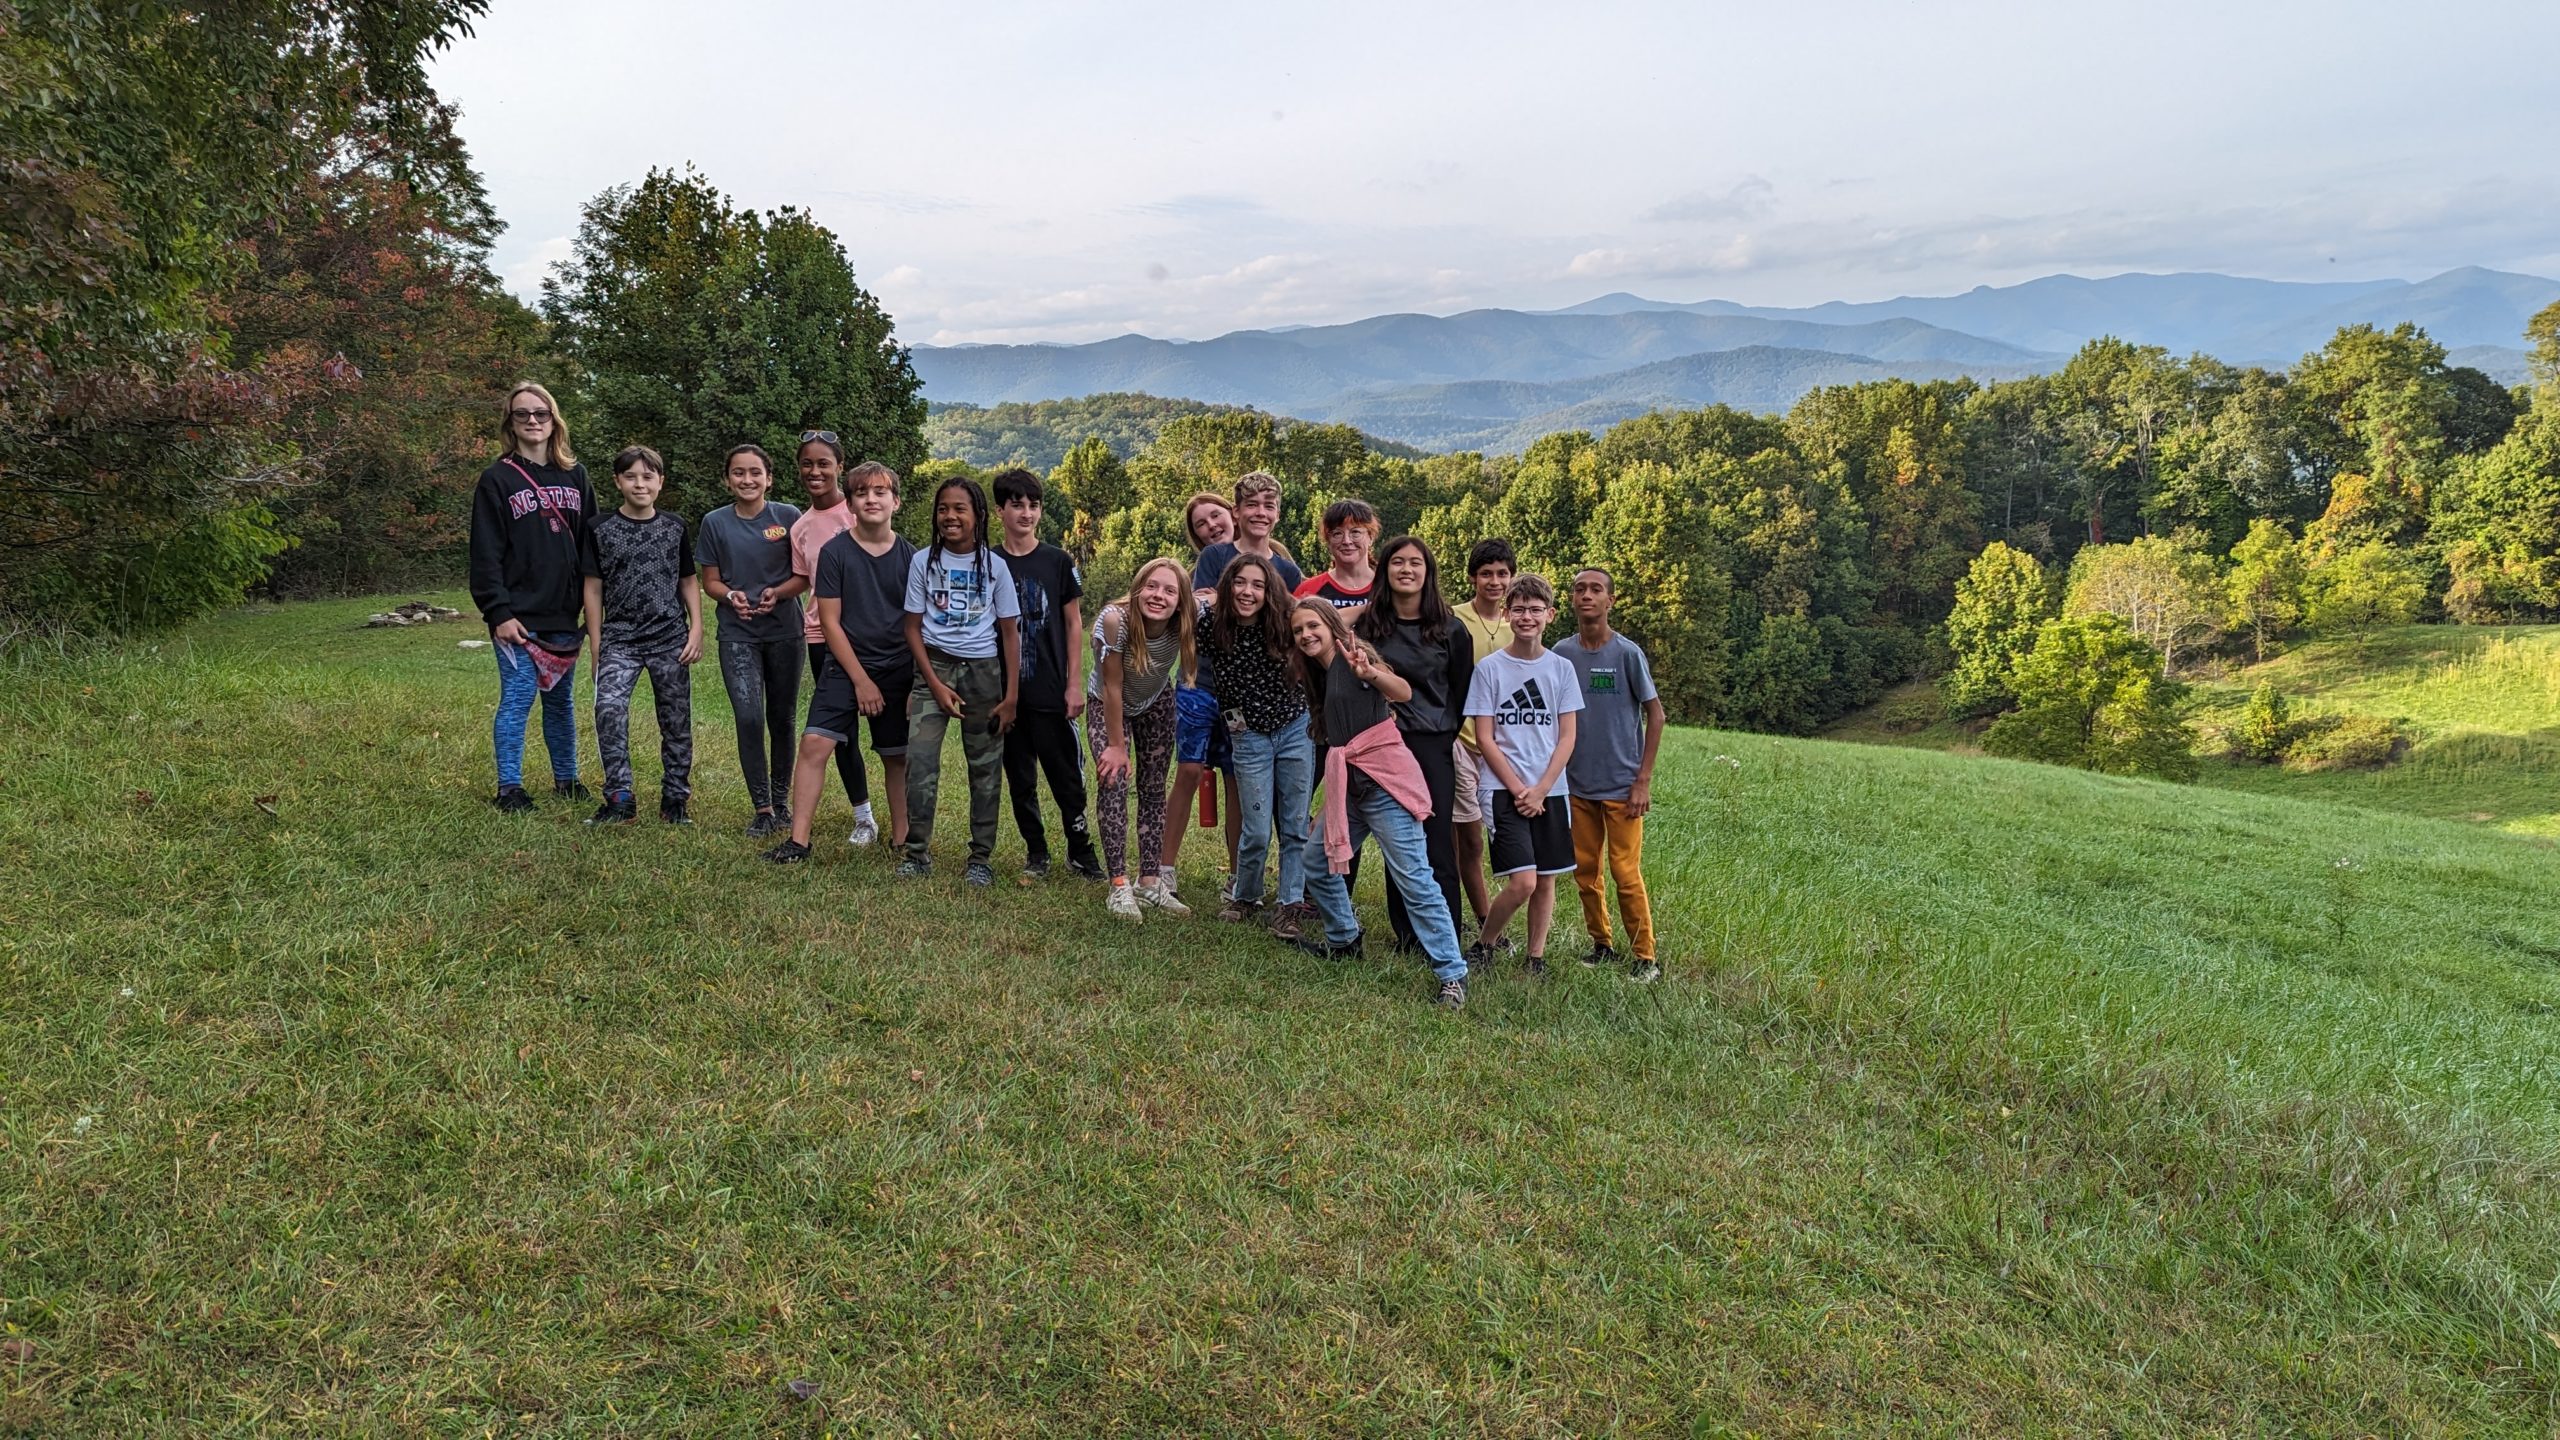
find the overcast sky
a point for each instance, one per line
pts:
(1005, 172)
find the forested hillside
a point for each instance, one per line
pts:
(1785, 569)
(1040, 433)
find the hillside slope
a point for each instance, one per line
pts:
(1980, 1098)
(2480, 706)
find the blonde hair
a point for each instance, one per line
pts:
(558, 454)
(1133, 648)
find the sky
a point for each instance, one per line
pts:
(1003, 172)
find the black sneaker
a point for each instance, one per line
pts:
(1535, 967)
(766, 823)
(1600, 955)
(513, 801)
(674, 813)
(979, 873)
(914, 869)
(1085, 867)
(1313, 941)
(571, 790)
(1479, 958)
(1035, 870)
(1452, 995)
(1643, 972)
(789, 852)
(618, 810)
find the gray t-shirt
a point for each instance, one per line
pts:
(1138, 688)
(752, 555)
(1608, 743)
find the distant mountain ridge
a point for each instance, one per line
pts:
(1483, 378)
(2230, 317)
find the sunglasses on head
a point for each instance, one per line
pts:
(530, 414)
(827, 435)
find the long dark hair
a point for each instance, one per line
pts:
(1311, 676)
(978, 504)
(1378, 618)
(1229, 632)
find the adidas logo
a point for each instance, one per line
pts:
(1525, 706)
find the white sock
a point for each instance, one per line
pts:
(862, 811)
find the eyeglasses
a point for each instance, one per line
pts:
(536, 415)
(827, 435)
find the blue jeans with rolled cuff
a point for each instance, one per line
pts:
(1374, 812)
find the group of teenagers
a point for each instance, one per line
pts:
(1452, 736)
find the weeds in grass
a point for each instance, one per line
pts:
(1983, 1098)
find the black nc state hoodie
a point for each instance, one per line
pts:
(524, 544)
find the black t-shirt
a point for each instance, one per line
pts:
(872, 591)
(640, 563)
(1439, 673)
(1351, 704)
(1045, 580)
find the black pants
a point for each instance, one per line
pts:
(763, 681)
(1435, 752)
(857, 785)
(1045, 742)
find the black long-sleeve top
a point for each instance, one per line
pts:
(1438, 672)
(524, 551)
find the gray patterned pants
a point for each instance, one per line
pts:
(671, 685)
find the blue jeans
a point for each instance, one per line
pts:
(516, 693)
(1274, 774)
(1399, 835)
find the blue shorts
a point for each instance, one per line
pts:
(1199, 731)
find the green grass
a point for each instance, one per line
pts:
(1981, 1098)
(2481, 707)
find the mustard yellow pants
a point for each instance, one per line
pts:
(1603, 832)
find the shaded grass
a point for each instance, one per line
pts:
(1981, 1097)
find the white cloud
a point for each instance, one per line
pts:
(524, 276)
(1249, 169)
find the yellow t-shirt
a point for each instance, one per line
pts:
(1490, 635)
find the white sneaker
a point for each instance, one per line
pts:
(1122, 902)
(1158, 892)
(866, 831)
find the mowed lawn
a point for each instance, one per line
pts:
(1980, 1098)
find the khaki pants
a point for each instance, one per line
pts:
(1603, 830)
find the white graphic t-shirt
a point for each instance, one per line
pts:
(960, 601)
(1524, 697)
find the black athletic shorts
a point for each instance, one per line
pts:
(1541, 842)
(834, 713)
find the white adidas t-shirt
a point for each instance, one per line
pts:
(1524, 697)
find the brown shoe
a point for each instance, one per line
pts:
(1239, 912)
(1287, 919)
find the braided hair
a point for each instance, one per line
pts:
(977, 504)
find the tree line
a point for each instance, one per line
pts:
(250, 339)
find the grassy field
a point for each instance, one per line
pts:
(1980, 1098)
(2481, 705)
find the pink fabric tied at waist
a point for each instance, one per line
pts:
(1379, 752)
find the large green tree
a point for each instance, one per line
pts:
(697, 325)
(2000, 604)
(146, 148)
(2091, 694)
